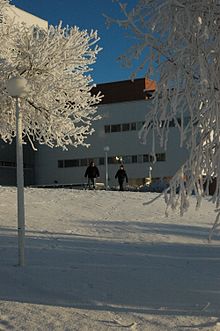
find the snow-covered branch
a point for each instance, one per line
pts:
(178, 44)
(59, 108)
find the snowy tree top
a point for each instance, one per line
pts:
(59, 108)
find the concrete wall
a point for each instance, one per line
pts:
(8, 151)
(120, 143)
(8, 164)
(22, 16)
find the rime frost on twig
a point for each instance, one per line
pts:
(178, 43)
(60, 108)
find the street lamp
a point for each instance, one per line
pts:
(150, 173)
(17, 88)
(106, 150)
(119, 158)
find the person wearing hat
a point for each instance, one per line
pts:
(121, 175)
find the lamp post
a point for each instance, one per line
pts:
(17, 88)
(150, 173)
(106, 150)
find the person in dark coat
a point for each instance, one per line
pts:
(92, 172)
(121, 175)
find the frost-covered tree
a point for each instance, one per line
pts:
(59, 108)
(177, 42)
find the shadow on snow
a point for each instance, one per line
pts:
(85, 272)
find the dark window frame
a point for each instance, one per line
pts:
(133, 126)
(73, 163)
(60, 163)
(161, 157)
(134, 158)
(83, 162)
(107, 128)
(146, 158)
(116, 128)
(125, 127)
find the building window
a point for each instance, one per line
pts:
(139, 158)
(83, 162)
(107, 128)
(101, 161)
(127, 159)
(179, 121)
(7, 164)
(145, 158)
(162, 123)
(112, 160)
(75, 163)
(140, 125)
(133, 126)
(125, 127)
(134, 158)
(116, 128)
(186, 120)
(161, 157)
(172, 123)
(71, 163)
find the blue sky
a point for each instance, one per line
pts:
(88, 14)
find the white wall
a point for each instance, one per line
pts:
(8, 151)
(121, 143)
(23, 16)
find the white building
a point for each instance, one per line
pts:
(21, 16)
(123, 112)
(8, 151)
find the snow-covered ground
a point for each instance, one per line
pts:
(98, 260)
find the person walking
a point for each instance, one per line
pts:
(92, 172)
(121, 175)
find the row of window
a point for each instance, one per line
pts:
(132, 126)
(7, 164)
(111, 160)
(11, 164)
(123, 127)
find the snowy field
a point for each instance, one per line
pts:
(105, 261)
